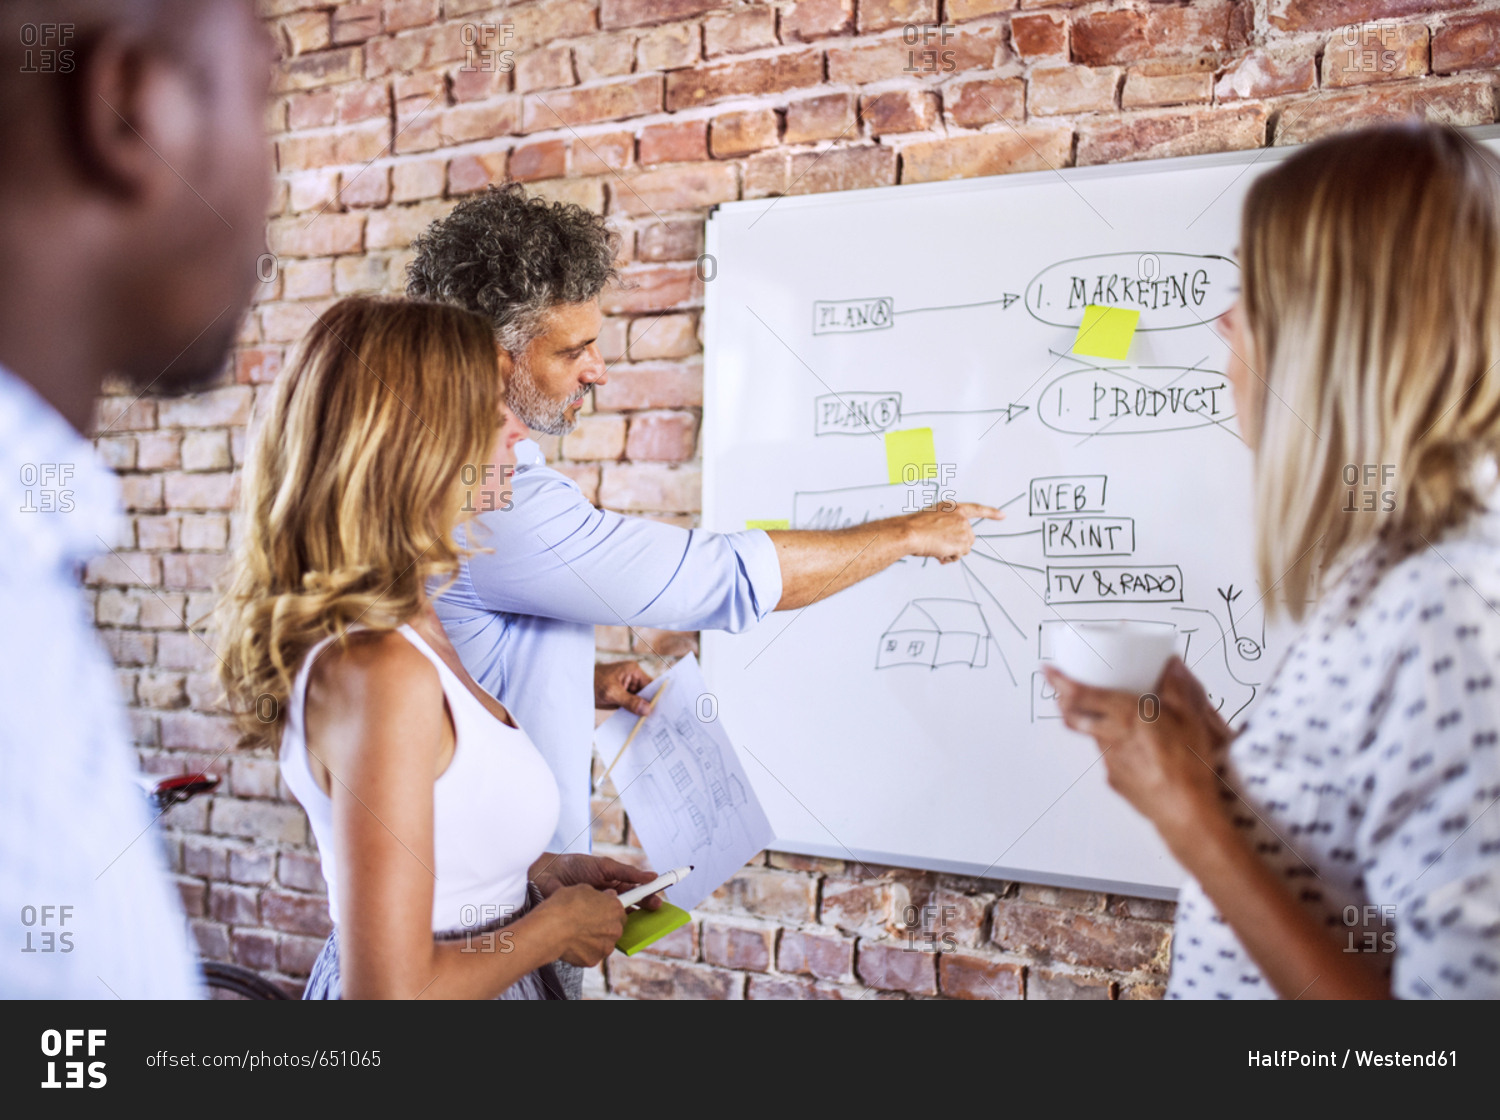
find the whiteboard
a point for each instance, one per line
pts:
(904, 721)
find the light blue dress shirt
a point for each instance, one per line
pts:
(88, 910)
(522, 615)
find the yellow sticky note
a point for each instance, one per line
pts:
(909, 456)
(768, 525)
(1106, 332)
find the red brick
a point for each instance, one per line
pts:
(480, 120)
(255, 777)
(468, 174)
(212, 939)
(1039, 35)
(1071, 89)
(307, 279)
(478, 83)
(253, 866)
(632, 487)
(838, 169)
(1263, 74)
(315, 109)
(1143, 991)
(897, 967)
(123, 414)
(643, 978)
(1167, 83)
(323, 236)
(903, 110)
(881, 15)
(293, 913)
(1079, 937)
(551, 68)
(417, 179)
(739, 134)
(780, 987)
(636, 13)
(873, 906)
(985, 101)
(966, 976)
(364, 101)
(252, 820)
(670, 241)
(663, 336)
(1172, 132)
(1131, 35)
(651, 385)
(141, 491)
(300, 871)
(1043, 983)
(401, 15)
(1028, 148)
(741, 947)
(828, 117)
(604, 56)
(807, 20)
(654, 287)
(673, 47)
(973, 9)
(969, 48)
(545, 159)
(822, 955)
(790, 70)
(194, 897)
(156, 533)
(535, 24)
(602, 153)
(674, 142)
(1457, 101)
(745, 29)
(1322, 15)
(681, 944)
(324, 68)
(1380, 53)
(232, 905)
(1469, 43)
(200, 491)
(140, 569)
(614, 100)
(761, 893)
(396, 226)
(596, 437)
(354, 23)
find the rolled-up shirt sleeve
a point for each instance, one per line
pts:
(554, 554)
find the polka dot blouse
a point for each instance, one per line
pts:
(1368, 777)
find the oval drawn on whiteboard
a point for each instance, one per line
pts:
(1171, 290)
(1133, 401)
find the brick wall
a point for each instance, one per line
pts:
(651, 111)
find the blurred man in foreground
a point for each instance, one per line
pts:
(134, 179)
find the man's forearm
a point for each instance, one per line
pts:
(816, 563)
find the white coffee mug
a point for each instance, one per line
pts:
(1129, 656)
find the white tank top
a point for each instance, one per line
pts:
(494, 807)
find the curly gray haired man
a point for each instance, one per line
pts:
(536, 270)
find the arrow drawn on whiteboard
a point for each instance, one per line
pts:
(1004, 301)
(1009, 412)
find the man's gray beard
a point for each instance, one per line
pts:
(538, 412)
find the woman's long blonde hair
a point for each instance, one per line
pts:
(1372, 296)
(352, 490)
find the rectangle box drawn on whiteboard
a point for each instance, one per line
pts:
(850, 316)
(1115, 583)
(1066, 493)
(855, 414)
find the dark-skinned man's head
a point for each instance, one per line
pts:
(134, 179)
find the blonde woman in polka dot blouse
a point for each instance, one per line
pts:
(1345, 842)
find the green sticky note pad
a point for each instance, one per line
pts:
(768, 525)
(642, 927)
(1106, 332)
(909, 456)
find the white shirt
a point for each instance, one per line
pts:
(87, 909)
(1369, 776)
(493, 808)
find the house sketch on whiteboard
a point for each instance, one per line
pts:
(935, 633)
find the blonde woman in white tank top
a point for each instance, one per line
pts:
(430, 806)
